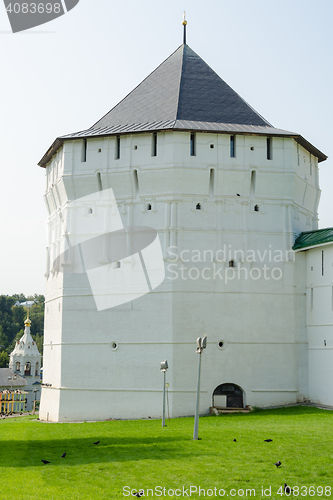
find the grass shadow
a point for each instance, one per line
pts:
(79, 451)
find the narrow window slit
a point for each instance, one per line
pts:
(253, 184)
(117, 147)
(232, 146)
(192, 145)
(84, 151)
(297, 154)
(99, 181)
(211, 182)
(154, 144)
(269, 148)
(136, 182)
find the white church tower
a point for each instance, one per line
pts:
(25, 360)
(226, 193)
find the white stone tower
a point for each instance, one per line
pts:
(25, 360)
(227, 193)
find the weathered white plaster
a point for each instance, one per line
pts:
(319, 319)
(260, 320)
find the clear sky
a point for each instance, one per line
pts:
(63, 76)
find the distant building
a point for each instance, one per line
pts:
(12, 391)
(11, 380)
(25, 362)
(28, 303)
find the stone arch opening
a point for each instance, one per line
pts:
(228, 396)
(27, 369)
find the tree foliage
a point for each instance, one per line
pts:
(12, 323)
(4, 359)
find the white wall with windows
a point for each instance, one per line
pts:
(205, 203)
(319, 316)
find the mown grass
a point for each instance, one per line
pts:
(142, 454)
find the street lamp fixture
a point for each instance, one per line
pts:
(201, 345)
(164, 367)
(35, 392)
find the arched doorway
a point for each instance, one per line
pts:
(228, 396)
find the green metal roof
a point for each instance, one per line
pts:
(314, 238)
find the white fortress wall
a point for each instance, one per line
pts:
(257, 318)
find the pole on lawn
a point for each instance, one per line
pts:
(201, 345)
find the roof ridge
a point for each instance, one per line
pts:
(316, 230)
(180, 80)
(133, 90)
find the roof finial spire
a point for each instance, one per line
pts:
(184, 24)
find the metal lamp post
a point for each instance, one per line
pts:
(164, 367)
(35, 392)
(201, 345)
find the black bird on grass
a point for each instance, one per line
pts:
(63, 455)
(235, 440)
(278, 463)
(46, 462)
(96, 442)
(138, 494)
(287, 489)
(268, 440)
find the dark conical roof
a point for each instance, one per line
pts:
(183, 93)
(183, 87)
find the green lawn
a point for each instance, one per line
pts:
(141, 454)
